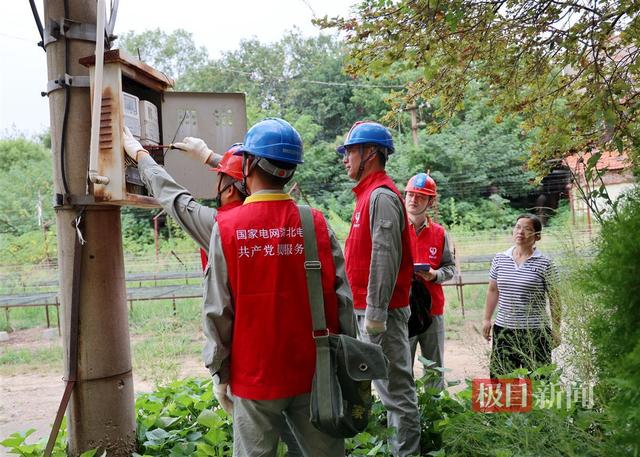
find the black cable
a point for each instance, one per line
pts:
(36, 16)
(67, 101)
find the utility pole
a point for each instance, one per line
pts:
(414, 125)
(101, 410)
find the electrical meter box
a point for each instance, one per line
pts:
(138, 96)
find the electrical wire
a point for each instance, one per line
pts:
(67, 102)
(36, 16)
(311, 81)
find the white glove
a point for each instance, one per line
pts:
(195, 147)
(131, 145)
(374, 327)
(222, 395)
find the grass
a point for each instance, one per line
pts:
(27, 317)
(29, 359)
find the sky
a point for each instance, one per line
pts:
(217, 25)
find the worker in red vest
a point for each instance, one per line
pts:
(430, 245)
(198, 221)
(230, 192)
(258, 322)
(380, 269)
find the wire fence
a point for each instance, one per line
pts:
(179, 275)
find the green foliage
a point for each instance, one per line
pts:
(485, 214)
(25, 186)
(474, 155)
(611, 282)
(567, 68)
(28, 248)
(183, 419)
(16, 443)
(174, 53)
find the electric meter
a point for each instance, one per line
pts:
(149, 127)
(131, 113)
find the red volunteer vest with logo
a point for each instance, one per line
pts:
(427, 248)
(358, 246)
(203, 254)
(273, 354)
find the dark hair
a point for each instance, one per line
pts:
(535, 220)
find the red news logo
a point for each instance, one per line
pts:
(510, 395)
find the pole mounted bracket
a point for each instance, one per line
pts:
(72, 30)
(66, 80)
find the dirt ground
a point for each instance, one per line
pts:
(30, 399)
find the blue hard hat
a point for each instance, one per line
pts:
(273, 138)
(368, 132)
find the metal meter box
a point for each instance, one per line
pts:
(164, 117)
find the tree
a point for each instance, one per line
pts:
(26, 188)
(295, 76)
(568, 68)
(174, 53)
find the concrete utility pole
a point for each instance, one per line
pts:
(101, 411)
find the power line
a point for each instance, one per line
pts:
(311, 81)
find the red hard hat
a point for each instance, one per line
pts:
(423, 184)
(230, 164)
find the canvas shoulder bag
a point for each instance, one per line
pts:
(345, 366)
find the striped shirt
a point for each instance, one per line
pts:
(523, 290)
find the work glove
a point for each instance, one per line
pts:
(195, 147)
(222, 395)
(374, 327)
(131, 145)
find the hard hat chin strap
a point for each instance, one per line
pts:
(245, 172)
(221, 189)
(363, 161)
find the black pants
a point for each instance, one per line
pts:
(527, 348)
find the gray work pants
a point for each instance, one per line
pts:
(258, 423)
(398, 393)
(431, 347)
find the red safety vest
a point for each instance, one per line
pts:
(273, 354)
(427, 248)
(203, 254)
(358, 246)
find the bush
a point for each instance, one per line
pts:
(611, 281)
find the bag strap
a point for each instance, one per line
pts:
(313, 270)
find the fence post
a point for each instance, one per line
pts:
(46, 310)
(6, 312)
(58, 315)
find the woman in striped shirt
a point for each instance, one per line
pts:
(521, 280)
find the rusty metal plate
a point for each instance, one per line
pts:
(219, 119)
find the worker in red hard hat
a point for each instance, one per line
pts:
(429, 245)
(230, 191)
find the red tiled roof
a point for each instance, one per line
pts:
(610, 160)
